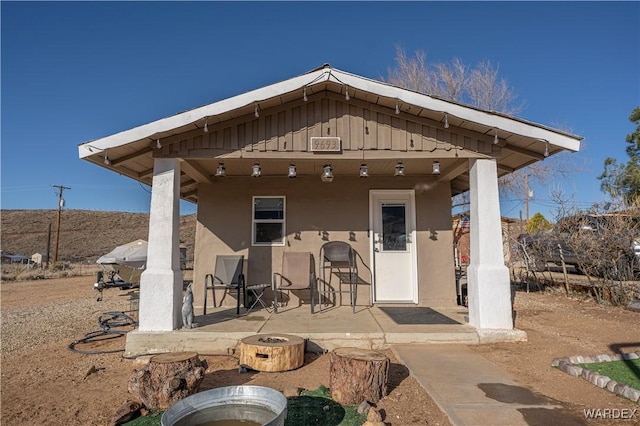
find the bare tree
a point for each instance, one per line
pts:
(489, 91)
(600, 243)
(480, 86)
(411, 73)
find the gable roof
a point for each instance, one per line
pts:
(130, 152)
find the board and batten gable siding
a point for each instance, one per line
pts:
(361, 126)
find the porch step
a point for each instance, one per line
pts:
(210, 342)
(368, 328)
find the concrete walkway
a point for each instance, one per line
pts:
(474, 392)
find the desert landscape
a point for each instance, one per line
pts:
(44, 382)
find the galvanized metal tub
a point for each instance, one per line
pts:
(251, 405)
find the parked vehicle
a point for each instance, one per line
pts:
(602, 245)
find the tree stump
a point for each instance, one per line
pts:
(167, 378)
(272, 352)
(358, 375)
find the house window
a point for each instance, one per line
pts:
(268, 221)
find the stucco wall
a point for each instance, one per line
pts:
(337, 211)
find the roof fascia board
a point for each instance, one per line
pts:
(191, 116)
(493, 120)
(321, 76)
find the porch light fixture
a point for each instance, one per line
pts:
(495, 139)
(106, 158)
(397, 108)
(292, 171)
(327, 173)
(256, 171)
(158, 144)
(546, 149)
(399, 169)
(446, 121)
(256, 111)
(435, 168)
(364, 171)
(221, 171)
(206, 126)
(304, 94)
(346, 93)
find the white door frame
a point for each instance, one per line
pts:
(374, 194)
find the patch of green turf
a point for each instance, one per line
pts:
(627, 372)
(316, 407)
(151, 419)
(310, 408)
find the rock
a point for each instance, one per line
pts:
(126, 412)
(574, 370)
(364, 407)
(632, 394)
(290, 391)
(634, 306)
(619, 388)
(374, 416)
(602, 381)
(368, 423)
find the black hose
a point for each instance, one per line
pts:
(106, 321)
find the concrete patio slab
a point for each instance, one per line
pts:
(369, 327)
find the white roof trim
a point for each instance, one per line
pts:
(495, 120)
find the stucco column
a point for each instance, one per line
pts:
(161, 282)
(489, 291)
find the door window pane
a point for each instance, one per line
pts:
(394, 227)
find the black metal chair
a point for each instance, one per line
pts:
(298, 273)
(228, 275)
(338, 257)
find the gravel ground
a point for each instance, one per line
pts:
(28, 328)
(43, 382)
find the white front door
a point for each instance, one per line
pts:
(393, 221)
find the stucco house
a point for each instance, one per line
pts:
(330, 156)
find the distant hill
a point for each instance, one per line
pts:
(85, 235)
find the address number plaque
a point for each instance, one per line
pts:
(325, 144)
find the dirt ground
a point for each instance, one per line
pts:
(43, 382)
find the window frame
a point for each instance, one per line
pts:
(255, 221)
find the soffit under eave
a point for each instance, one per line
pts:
(135, 159)
(140, 163)
(143, 169)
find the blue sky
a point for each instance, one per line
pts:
(77, 71)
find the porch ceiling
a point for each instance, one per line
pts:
(520, 143)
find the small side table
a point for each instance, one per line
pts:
(256, 291)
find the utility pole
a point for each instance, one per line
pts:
(526, 195)
(48, 247)
(60, 202)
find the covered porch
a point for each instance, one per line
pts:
(375, 327)
(328, 156)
